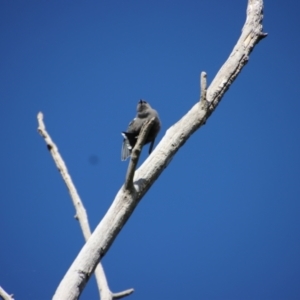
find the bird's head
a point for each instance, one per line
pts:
(142, 106)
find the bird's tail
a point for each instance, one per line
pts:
(126, 147)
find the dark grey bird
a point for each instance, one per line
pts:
(144, 113)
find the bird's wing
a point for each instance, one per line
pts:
(131, 125)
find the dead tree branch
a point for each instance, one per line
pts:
(81, 214)
(135, 154)
(4, 295)
(124, 204)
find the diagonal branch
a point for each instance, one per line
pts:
(4, 295)
(135, 154)
(124, 204)
(81, 214)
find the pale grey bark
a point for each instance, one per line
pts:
(126, 200)
(81, 215)
(4, 295)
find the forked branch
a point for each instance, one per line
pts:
(125, 203)
(81, 214)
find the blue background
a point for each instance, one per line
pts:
(222, 221)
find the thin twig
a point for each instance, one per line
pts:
(81, 214)
(123, 294)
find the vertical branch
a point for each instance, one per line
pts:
(203, 90)
(203, 86)
(203, 100)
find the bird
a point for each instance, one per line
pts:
(144, 113)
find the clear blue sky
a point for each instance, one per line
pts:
(222, 221)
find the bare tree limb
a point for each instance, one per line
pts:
(5, 296)
(135, 154)
(81, 214)
(124, 204)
